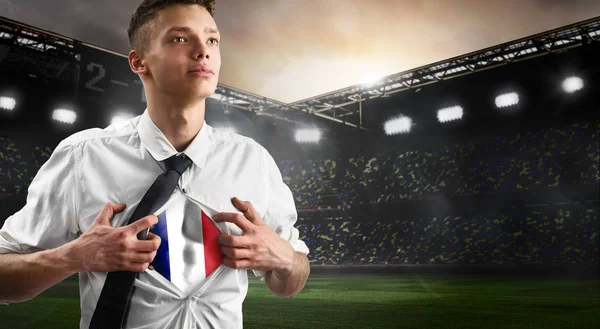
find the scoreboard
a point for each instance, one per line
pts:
(107, 79)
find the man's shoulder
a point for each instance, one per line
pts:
(228, 138)
(108, 134)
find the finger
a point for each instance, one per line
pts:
(235, 241)
(242, 222)
(142, 224)
(151, 244)
(236, 253)
(108, 211)
(237, 264)
(247, 208)
(136, 267)
(142, 257)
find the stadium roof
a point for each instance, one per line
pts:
(292, 50)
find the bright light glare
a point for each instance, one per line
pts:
(64, 116)
(507, 100)
(450, 114)
(370, 80)
(308, 135)
(122, 117)
(572, 84)
(398, 126)
(7, 103)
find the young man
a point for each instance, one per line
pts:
(176, 54)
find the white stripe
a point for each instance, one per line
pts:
(186, 274)
(176, 243)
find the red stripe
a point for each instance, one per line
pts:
(213, 257)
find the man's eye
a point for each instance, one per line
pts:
(179, 39)
(214, 41)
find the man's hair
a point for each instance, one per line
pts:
(140, 26)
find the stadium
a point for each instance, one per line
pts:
(461, 194)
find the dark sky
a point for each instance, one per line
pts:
(295, 49)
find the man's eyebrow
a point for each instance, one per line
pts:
(179, 29)
(211, 30)
(208, 30)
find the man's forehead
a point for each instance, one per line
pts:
(194, 17)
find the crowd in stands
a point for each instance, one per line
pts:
(541, 159)
(19, 162)
(17, 166)
(537, 236)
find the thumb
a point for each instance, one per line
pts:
(107, 213)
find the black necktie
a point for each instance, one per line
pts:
(113, 305)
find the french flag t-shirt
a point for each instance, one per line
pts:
(189, 250)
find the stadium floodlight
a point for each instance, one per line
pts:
(398, 125)
(7, 103)
(450, 114)
(308, 135)
(121, 117)
(64, 116)
(506, 100)
(572, 84)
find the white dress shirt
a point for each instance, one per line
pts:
(119, 164)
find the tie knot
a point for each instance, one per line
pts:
(178, 163)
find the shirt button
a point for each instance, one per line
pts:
(184, 191)
(151, 268)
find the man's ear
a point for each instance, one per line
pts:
(136, 63)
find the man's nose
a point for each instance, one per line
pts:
(201, 52)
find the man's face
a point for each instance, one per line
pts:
(183, 57)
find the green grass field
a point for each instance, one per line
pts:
(371, 301)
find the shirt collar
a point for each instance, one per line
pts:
(160, 148)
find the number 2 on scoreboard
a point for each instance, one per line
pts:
(101, 74)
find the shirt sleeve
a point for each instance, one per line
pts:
(281, 212)
(49, 217)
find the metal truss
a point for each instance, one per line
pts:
(230, 97)
(341, 103)
(55, 53)
(52, 56)
(37, 52)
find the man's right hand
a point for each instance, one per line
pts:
(103, 248)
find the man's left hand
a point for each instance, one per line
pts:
(259, 247)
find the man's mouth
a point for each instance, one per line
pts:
(202, 70)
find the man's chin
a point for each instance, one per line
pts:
(205, 94)
(197, 93)
(205, 90)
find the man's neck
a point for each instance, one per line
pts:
(179, 123)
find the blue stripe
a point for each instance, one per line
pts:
(161, 262)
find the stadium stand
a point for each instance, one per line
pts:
(541, 160)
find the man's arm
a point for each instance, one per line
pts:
(261, 249)
(289, 284)
(101, 248)
(274, 250)
(23, 277)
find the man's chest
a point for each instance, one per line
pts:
(211, 186)
(192, 253)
